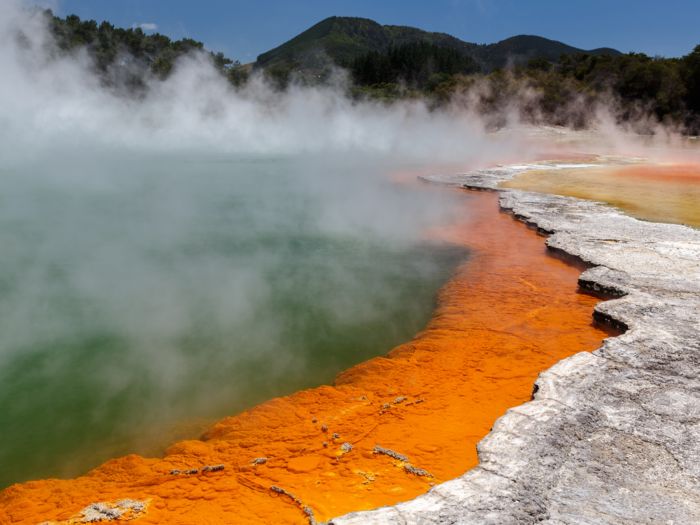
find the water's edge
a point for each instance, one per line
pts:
(610, 437)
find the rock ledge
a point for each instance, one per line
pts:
(612, 437)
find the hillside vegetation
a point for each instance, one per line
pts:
(415, 63)
(125, 57)
(343, 39)
(392, 63)
(632, 88)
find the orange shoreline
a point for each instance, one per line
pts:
(509, 313)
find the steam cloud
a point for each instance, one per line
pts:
(56, 102)
(163, 255)
(154, 247)
(178, 253)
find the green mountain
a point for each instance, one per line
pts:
(343, 38)
(520, 49)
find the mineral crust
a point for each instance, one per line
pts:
(612, 436)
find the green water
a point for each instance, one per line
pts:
(138, 292)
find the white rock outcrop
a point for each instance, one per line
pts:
(611, 437)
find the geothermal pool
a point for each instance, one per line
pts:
(145, 297)
(508, 311)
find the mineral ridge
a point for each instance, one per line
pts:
(613, 436)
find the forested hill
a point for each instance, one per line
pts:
(126, 57)
(520, 49)
(343, 39)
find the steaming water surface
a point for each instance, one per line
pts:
(140, 290)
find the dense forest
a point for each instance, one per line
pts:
(414, 63)
(634, 88)
(125, 57)
(342, 39)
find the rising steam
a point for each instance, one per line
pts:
(56, 101)
(198, 248)
(187, 252)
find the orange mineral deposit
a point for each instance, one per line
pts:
(657, 191)
(386, 430)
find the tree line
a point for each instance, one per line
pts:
(414, 64)
(666, 89)
(637, 88)
(633, 88)
(126, 57)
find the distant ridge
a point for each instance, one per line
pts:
(344, 38)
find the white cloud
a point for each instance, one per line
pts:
(145, 27)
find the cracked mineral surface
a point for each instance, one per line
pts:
(611, 437)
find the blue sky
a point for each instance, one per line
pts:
(244, 29)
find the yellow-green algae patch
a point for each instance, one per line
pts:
(663, 192)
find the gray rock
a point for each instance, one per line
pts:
(611, 437)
